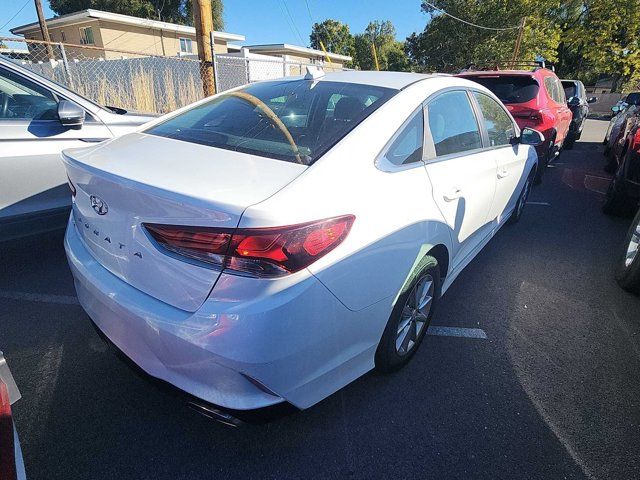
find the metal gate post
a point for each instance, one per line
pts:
(216, 88)
(65, 63)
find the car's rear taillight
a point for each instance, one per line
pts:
(259, 252)
(7, 450)
(72, 187)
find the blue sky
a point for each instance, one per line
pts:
(267, 21)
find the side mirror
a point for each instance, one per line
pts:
(529, 136)
(592, 99)
(573, 101)
(616, 109)
(70, 114)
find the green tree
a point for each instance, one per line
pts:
(390, 53)
(334, 35)
(447, 44)
(173, 11)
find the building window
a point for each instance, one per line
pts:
(86, 36)
(64, 39)
(186, 45)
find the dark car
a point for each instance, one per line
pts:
(623, 194)
(578, 103)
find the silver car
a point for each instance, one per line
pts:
(38, 119)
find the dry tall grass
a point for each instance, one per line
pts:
(150, 92)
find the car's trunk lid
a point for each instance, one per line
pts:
(148, 179)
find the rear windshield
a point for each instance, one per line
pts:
(633, 98)
(569, 89)
(510, 89)
(296, 121)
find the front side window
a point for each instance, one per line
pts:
(186, 45)
(499, 126)
(453, 124)
(21, 99)
(296, 121)
(86, 36)
(407, 147)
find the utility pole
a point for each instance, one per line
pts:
(516, 50)
(203, 20)
(44, 29)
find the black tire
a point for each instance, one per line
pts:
(516, 215)
(542, 164)
(387, 358)
(568, 143)
(616, 201)
(628, 272)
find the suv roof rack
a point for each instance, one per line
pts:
(495, 65)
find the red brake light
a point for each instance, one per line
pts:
(7, 454)
(260, 252)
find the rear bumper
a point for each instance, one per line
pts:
(252, 344)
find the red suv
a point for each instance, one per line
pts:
(536, 99)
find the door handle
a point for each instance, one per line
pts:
(503, 173)
(452, 195)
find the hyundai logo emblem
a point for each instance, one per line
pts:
(99, 205)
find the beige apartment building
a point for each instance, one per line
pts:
(106, 30)
(295, 53)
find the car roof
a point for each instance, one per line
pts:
(395, 80)
(527, 73)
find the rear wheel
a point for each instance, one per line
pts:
(617, 202)
(628, 273)
(410, 317)
(570, 140)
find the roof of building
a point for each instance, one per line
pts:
(288, 49)
(88, 14)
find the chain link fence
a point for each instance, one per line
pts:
(139, 81)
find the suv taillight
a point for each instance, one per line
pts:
(7, 452)
(257, 252)
(529, 114)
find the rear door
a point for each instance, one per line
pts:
(32, 178)
(462, 173)
(510, 159)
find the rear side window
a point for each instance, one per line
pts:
(510, 88)
(499, 126)
(570, 89)
(296, 121)
(554, 89)
(453, 124)
(407, 147)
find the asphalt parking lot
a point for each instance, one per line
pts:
(552, 392)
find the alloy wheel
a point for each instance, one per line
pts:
(525, 196)
(415, 315)
(633, 248)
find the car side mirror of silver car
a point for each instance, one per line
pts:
(529, 136)
(70, 114)
(616, 109)
(592, 100)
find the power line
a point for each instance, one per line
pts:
(284, 3)
(469, 23)
(309, 10)
(15, 15)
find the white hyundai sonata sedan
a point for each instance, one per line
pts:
(275, 242)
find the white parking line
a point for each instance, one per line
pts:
(40, 297)
(456, 332)
(544, 204)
